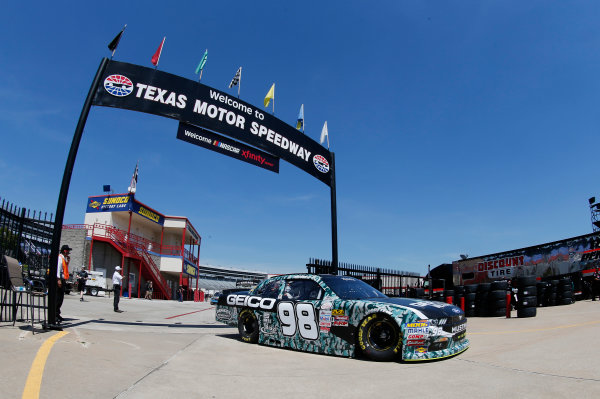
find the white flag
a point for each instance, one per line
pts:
(133, 185)
(324, 134)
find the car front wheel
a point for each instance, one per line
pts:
(379, 338)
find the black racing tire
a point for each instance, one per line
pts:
(529, 290)
(565, 301)
(524, 281)
(248, 326)
(497, 295)
(484, 287)
(566, 294)
(499, 285)
(527, 302)
(471, 288)
(379, 338)
(499, 312)
(470, 297)
(526, 312)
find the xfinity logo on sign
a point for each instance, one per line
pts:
(118, 85)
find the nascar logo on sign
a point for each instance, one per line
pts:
(118, 85)
(321, 163)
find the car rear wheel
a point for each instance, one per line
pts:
(379, 338)
(248, 326)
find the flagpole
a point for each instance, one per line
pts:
(64, 190)
(334, 246)
(200, 78)
(240, 83)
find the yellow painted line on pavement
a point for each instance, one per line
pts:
(536, 329)
(34, 379)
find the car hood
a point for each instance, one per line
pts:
(431, 309)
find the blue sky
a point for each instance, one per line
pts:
(458, 127)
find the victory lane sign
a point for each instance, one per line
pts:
(152, 91)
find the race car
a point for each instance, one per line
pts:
(343, 316)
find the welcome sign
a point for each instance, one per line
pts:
(152, 91)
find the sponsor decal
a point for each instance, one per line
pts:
(109, 203)
(149, 214)
(250, 301)
(416, 336)
(268, 327)
(340, 321)
(421, 350)
(324, 329)
(416, 342)
(118, 85)
(459, 328)
(327, 305)
(337, 312)
(324, 320)
(321, 163)
(416, 328)
(223, 145)
(224, 313)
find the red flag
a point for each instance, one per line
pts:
(156, 56)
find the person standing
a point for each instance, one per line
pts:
(116, 279)
(62, 274)
(82, 276)
(149, 289)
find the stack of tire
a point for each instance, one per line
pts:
(543, 289)
(552, 293)
(565, 292)
(527, 296)
(481, 299)
(497, 299)
(470, 293)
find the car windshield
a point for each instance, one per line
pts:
(351, 288)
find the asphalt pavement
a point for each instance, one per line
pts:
(168, 349)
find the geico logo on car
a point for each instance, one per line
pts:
(251, 301)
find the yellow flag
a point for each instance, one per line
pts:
(270, 95)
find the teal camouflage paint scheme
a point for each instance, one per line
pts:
(423, 337)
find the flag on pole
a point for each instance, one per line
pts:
(270, 96)
(300, 122)
(156, 56)
(112, 46)
(133, 185)
(202, 62)
(325, 133)
(236, 78)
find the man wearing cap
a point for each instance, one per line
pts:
(62, 274)
(117, 287)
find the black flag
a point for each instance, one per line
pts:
(112, 46)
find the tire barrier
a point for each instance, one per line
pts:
(481, 300)
(527, 296)
(565, 292)
(497, 303)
